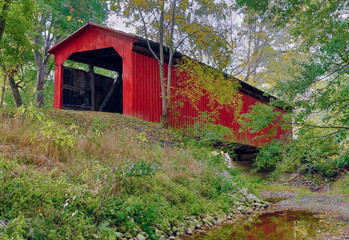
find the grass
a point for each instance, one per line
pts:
(277, 187)
(342, 186)
(83, 175)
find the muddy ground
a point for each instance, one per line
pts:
(332, 207)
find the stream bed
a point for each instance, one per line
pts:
(290, 225)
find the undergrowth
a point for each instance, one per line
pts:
(66, 175)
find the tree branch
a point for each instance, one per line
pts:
(146, 35)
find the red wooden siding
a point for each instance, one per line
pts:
(147, 99)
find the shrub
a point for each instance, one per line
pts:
(268, 157)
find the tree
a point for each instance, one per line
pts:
(261, 45)
(15, 45)
(4, 8)
(179, 25)
(318, 86)
(52, 21)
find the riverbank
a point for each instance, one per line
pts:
(329, 201)
(294, 213)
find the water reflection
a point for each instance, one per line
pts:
(290, 225)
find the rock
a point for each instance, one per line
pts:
(244, 191)
(172, 238)
(134, 232)
(128, 235)
(181, 228)
(189, 231)
(169, 232)
(174, 229)
(192, 224)
(122, 229)
(248, 210)
(227, 160)
(207, 223)
(198, 226)
(158, 233)
(252, 198)
(258, 205)
(162, 237)
(142, 236)
(119, 235)
(3, 223)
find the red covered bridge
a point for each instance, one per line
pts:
(136, 89)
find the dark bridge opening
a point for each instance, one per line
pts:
(88, 90)
(243, 152)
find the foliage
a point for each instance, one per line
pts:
(265, 120)
(268, 157)
(53, 21)
(50, 132)
(175, 24)
(15, 51)
(140, 168)
(34, 27)
(202, 81)
(207, 132)
(316, 86)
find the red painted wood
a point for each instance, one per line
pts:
(148, 102)
(57, 97)
(92, 37)
(141, 84)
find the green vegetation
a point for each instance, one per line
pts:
(88, 175)
(342, 186)
(315, 86)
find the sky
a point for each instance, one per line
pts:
(117, 23)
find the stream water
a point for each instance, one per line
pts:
(280, 225)
(288, 225)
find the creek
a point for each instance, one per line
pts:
(290, 225)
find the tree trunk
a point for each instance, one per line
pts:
(3, 93)
(164, 117)
(3, 15)
(40, 84)
(169, 69)
(249, 57)
(15, 91)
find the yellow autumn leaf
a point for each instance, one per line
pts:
(69, 17)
